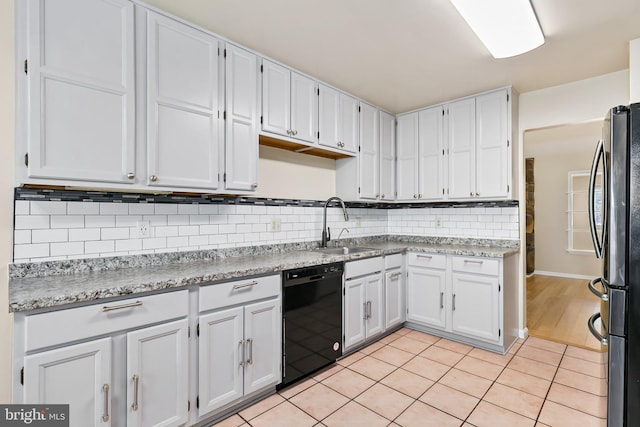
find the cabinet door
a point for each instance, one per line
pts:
(220, 359)
(183, 134)
(407, 157)
(354, 311)
(426, 292)
(369, 156)
(492, 145)
(387, 156)
(431, 149)
(461, 120)
(157, 373)
(475, 306)
(374, 305)
(81, 90)
(276, 98)
(394, 298)
(304, 108)
(241, 147)
(263, 345)
(79, 375)
(348, 123)
(329, 110)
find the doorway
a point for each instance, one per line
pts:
(560, 261)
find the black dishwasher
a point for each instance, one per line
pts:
(311, 320)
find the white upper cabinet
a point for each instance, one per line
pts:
(387, 156)
(493, 165)
(241, 125)
(461, 119)
(369, 155)
(183, 131)
(81, 91)
(289, 103)
(338, 120)
(407, 157)
(431, 154)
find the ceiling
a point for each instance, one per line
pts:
(405, 54)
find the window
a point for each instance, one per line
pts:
(578, 213)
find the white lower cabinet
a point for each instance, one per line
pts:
(136, 377)
(394, 291)
(240, 342)
(363, 301)
(471, 299)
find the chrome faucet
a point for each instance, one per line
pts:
(326, 231)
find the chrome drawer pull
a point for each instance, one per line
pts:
(594, 331)
(395, 275)
(250, 358)
(442, 300)
(246, 285)
(241, 348)
(453, 303)
(425, 256)
(472, 261)
(604, 296)
(136, 383)
(107, 308)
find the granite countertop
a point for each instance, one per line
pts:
(48, 291)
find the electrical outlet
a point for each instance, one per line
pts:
(276, 225)
(143, 229)
(358, 221)
(438, 223)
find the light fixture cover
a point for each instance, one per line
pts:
(506, 27)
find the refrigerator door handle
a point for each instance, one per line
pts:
(604, 296)
(597, 244)
(594, 331)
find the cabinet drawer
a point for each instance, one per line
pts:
(58, 327)
(477, 265)
(239, 292)
(363, 267)
(392, 261)
(427, 260)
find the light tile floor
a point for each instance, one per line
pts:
(414, 379)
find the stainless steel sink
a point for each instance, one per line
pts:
(343, 250)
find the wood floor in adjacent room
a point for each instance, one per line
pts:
(558, 309)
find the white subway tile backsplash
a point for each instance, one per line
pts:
(83, 208)
(68, 248)
(98, 229)
(49, 236)
(48, 208)
(31, 222)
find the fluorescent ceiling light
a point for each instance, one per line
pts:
(506, 27)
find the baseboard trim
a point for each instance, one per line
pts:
(557, 274)
(523, 333)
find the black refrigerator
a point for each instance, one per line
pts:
(614, 216)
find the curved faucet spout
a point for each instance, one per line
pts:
(326, 231)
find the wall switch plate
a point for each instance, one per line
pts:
(143, 229)
(276, 224)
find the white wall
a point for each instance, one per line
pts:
(634, 70)
(7, 116)
(575, 102)
(558, 151)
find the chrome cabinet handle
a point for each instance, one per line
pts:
(597, 245)
(364, 308)
(472, 261)
(594, 331)
(246, 285)
(288, 131)
(441, 300)
(241, 348)
(368, 309)
(453, 303)
(382, 197)
(136, 383)
(471, 194)
(153, 178)
(604, 296)
(131, 175)
(254, 185)
(107, 308)
(395, 275)
(425, 256)
(105, 415)
(415, 196)
(477, 194)
(419, 195)
(250, 345)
